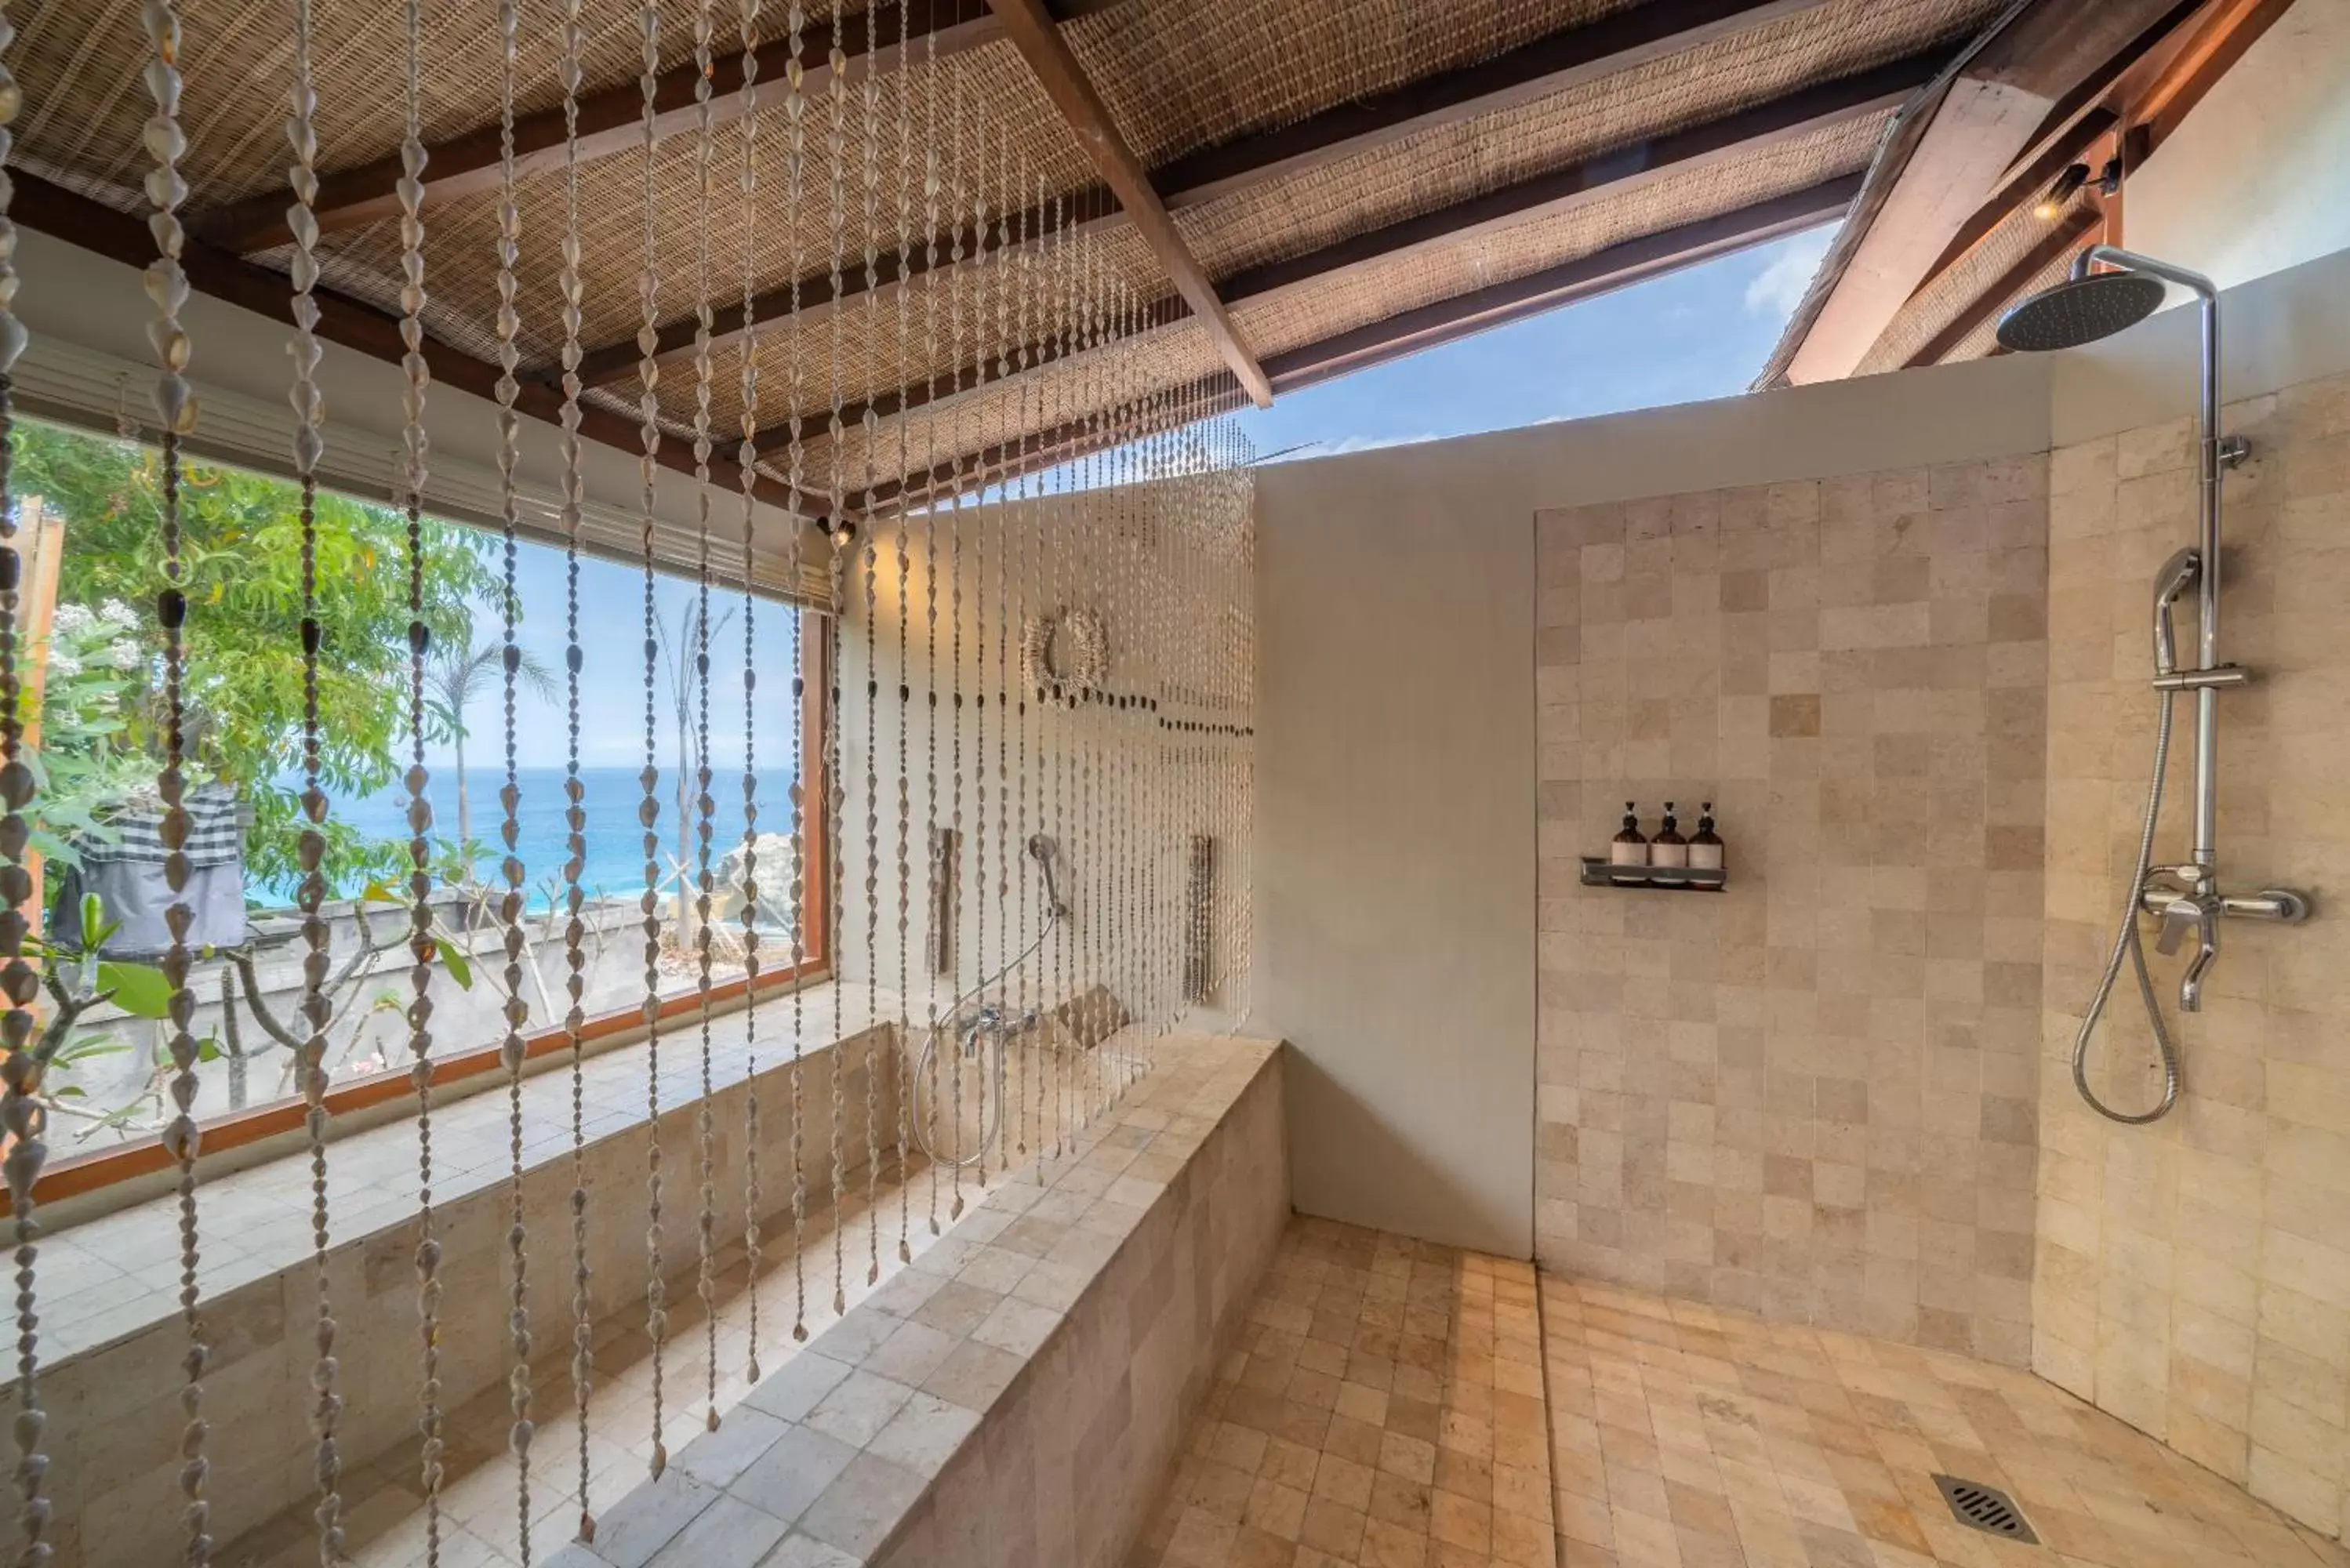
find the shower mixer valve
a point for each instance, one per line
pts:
(2195, 904)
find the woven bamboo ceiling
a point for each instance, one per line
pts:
(1286, 189)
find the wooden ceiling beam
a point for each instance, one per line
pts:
(2061, 239)
(611, 119)
(988, 370)
(1621, 41)
(1610, 173)
(1551, 64)
(2232, 27)
(2107, 85)
(2140, 91)
(1007, 460)
(2026, 185)
(356, 326)
(1616, 266)
(1794, 114)
(1032, 31)
(1963, 142)
(815, 297)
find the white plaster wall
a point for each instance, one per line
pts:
(2280, 330)
(2252, 181)
(1395, 869)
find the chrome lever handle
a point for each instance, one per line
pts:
(2178, 917)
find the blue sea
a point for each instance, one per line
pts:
(615, 861)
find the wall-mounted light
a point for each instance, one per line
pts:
(842, 531)
(2059, 195)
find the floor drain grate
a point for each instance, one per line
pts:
(1985, 1508)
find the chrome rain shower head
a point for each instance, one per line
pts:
(2080, 310)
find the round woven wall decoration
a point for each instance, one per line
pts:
(1065, 653)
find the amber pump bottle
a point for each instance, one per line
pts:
(1668, 847)
(1705, 848)
(1630, 848)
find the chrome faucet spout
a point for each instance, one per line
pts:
(2197, 912)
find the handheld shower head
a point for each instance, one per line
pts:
(2178, 574)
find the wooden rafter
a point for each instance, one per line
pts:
(2141, 93)
(1006, 461)
(2155, 44)
(1615, 267)
(1549, 64)
(611, 119)
(2026, 185)
(79, 221)
(1609, 173)
(816, 296)
(2063, 237)
(987, 371)
(1586, 178)
(2232, 27)
(1620, 41)
(1032, 32)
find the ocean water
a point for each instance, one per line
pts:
(615, 861)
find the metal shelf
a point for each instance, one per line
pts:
(1598, 873)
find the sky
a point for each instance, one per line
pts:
(1692, 334)
(1695, 334)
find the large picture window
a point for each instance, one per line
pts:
(93, 719)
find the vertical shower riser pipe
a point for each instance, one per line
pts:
(2205, 855)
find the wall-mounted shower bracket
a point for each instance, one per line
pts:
(2233, 451)
(2280, 906)
(2222, 676)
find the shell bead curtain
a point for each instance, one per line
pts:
(1033, 646)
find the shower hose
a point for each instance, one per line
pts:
(964, 1030)
(2126, 943)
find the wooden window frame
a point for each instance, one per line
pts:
(79, 1174)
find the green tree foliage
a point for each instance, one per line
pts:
(240, 536)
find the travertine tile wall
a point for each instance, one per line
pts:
(113, 1393)
(2194, 1275)
(1811, 1095)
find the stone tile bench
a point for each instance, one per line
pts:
(1016, 1394)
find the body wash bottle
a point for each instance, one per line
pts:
(1629, 847)
(1705, 850)
(1668, 847)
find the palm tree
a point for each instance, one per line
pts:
(454, 677)
(681, 651)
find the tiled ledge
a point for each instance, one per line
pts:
(1015, 1395)
(107, 1278)
(111, 1339)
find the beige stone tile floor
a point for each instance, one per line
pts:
(1383, 1407)
(1685, 1436)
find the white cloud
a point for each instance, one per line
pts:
(1778, 288)
(1346, 444)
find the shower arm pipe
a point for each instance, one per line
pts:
(2204, 849)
